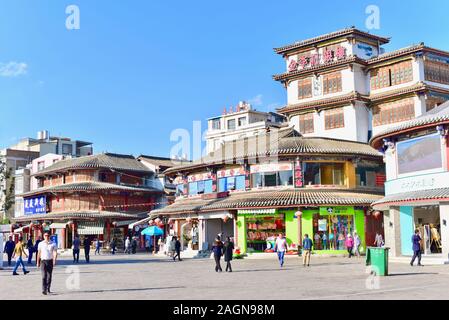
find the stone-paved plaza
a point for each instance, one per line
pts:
(143, 276)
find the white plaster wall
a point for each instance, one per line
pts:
(390, 164)
(362, 121)
(48, 160)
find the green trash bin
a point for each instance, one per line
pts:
(377, 258)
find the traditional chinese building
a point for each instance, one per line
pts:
(257, 187)
(97, 195)
(344, 85)
(417, 188)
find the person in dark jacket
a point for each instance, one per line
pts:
(9, 249)
(36, 246)
(134, 246)
(228, 250)
(217, 249)
(30, 247)
(177, 249)
(307, 245)
(87, 243)
(113, 245)
(416, 241)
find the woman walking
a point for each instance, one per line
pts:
(228, 252)
(349, 244)
(217, 249)
(357, 243)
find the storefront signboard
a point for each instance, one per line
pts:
(200, 177)
(256, 211)
(271, 167)
(310, 59)
(36, 205)
(417, 183)
(336, 211)
(232, 172)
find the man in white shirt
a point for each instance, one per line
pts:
(46, 260)
(281, 247)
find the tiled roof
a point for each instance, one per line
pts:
(414, 196)
(405, 51)
(101, 161)
(81, 215)
(161, 162)
(88, 187)
(439, 115)
(275, 198)
(287, 143)
(334, 101)
(415, 88)
(332, 35)
(321, 67)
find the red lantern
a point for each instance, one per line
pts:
(377, 214)
(157, 221)
(298, 214)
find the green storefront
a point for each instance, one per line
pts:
(326, 226)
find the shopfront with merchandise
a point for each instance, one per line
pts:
(326, 226)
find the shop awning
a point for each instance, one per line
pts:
(143, 221)
(90, 228)
(19, 230)
(123, 223)
(57, 225)
(423, 197)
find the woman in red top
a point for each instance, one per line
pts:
(349, 244)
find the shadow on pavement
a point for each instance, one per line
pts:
(118, 290)
(261, 270)
(411, 274)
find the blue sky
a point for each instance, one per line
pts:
(137, 69)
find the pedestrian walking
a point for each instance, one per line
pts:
(349, 244)
(306, 250)
(217, 249)
(87, 243)
(46, 260)
(281, 247)
(134, 245)
(357, 243)
(97, 246)
(76, 249)
(19, 252)
(36, 245)
(416, 243)
(9, 249)
(228, 249)
(30, 247)
(177, 249)
(113, 245)
(378, 240)
(127, 246)
(171, 247)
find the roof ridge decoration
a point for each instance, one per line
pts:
(103, 160)
(328, 36)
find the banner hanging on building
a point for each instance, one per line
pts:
(36, 205)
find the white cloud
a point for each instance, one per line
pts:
(13, 69)
(256, 101)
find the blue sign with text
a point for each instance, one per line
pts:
(36, 205)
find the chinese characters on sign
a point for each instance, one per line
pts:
(35, 205)
(312, 60)
(298, 175)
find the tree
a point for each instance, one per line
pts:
(7, 186)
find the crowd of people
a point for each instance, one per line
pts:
(46, 251)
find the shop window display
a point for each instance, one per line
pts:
(329, 232)
(262, 229)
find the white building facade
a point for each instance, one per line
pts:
(242, 122)
(343, 84)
